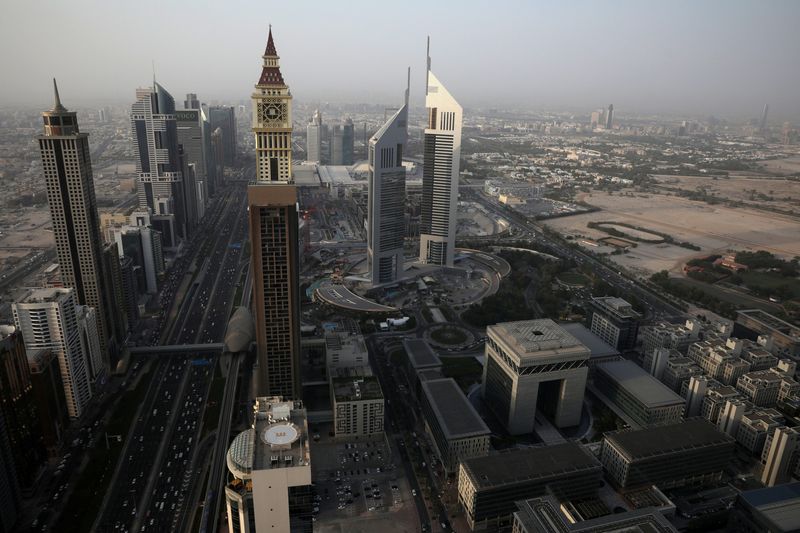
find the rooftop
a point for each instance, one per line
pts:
(597, 346)
(546, 514)
(639, 384)
(615, 306)
(524, 464)
(278, 439)
(771, 322)
(536, 337)
(669, 438)
(420, 354)
(44, 295)
(348, 389)
(454, 412)
(779, 505)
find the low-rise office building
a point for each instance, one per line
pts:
(770, 509)
(546, 514)
(785, 337)
(458, 432)
(422, 364)
(667, 335)
(358, 407)
(671, 455)
(765, 387)
(715, 398)
(615, 321)
(489, 486)
(641, 396)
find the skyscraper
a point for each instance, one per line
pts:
(10, 498)
(196, 141)
(272, 202)
(314, 138)
(67, 166)
(191, 101)
(160, 182)
(387, 198)
(223, 117)
(442, 153)
(342, 138)
(48, 319)
(610, 117)
(18, 407)
(762, 124)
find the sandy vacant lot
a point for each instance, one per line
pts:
(789, 165)
(713, 228)
(785, 194)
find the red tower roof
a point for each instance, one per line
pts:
(270, 51)
(271, 72)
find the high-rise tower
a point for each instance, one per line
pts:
(442, 153)
(387, 198)
(314, 138)
(610, 117)
(67, 166)
(762, 124)
(272, 202)
(160, 183)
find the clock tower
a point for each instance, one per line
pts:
(274, 236)
(272, 121)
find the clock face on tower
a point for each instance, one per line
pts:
(271, 112)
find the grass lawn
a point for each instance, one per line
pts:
(84, 502)
(465, 370)
(739, 299)
(573, 278)
(769, 281)
(448, 335)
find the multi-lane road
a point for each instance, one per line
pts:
(154, 482)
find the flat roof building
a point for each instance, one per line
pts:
(774, 509)
(785, 336)
(530, 365)
(641, 396)
(271, 469)
(345, 350)
(671, 455)
(615, 321)
(457, 430)
(546, 514)
(599, 350)
(667, 335)
(422, 364)
(358, 406)
(489, 486)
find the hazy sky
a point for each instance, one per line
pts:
(725, 57)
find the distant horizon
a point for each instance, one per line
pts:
(720, 58)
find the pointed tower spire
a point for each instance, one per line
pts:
(57, 108)
(427, 73)
(271, 71)
(408, 86)
(270, 51)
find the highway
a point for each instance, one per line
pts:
(152, 485)
(658, 307)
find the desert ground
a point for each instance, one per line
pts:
(785, 194)
(714, 228)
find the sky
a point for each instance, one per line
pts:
(722, 57)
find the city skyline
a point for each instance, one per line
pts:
(658, 59)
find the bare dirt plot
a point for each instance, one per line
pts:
(789, 165)
(712, 228)
(784, 194)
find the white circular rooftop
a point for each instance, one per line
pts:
(280, 434)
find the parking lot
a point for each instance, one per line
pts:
(358, 484)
